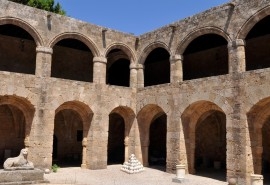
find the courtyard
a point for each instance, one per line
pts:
(114, 176)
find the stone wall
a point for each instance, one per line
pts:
(235, 98)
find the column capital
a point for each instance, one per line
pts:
(236, 43)
(175, 58)
(136, 66)
(43, 49)
(100, 60)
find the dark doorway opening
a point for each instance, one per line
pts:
(116, 147)
(67, 150)
(157, 147)
(210, 146)
(12, 131)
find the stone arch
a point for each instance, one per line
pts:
(199, 32)
(150, 48)
(145, 117)
(121, 119)
(23, 105)
(81, 108)
(78, 36)
(126, 49)
(24, 25)
(128, 115)
(192, 115)
(252, 21)
(257, 117)
(119, 58)
(85, 115)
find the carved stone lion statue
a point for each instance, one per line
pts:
(19, 163)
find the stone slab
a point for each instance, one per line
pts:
(22, 177)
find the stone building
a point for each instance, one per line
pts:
(193, 92)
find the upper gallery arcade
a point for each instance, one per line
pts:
(193, 92)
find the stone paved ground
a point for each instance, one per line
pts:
(113, 176)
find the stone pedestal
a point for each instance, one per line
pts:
(256, 179)
(180, 173)
(35, 176)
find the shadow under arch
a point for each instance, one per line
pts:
(126, 49)
(149, 48)
(24, 106)
(252, 21)
(121, 120)
(119, 59)
(147, 117)
(85, 115)
(77, 36)
(258, 116)
(196, 113)
(24, 25)
(199, 32)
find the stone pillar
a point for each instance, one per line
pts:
(145, 147)
(43, 61)
(126, 142)
(140, 72)
(176, 68)
(133, 80)
(99, 71)
(27, 142)
(237, 57)
(84, 144)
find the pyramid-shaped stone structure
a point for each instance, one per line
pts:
(132, 165)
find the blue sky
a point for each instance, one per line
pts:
(135, 16)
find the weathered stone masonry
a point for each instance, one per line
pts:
(194, 92)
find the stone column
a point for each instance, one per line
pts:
(84, 144)
(99, 71)
(43, 61)
(145, 147)
(140, 71)
(126, 142)
(237, 57)
(133, 80)
(176, 68)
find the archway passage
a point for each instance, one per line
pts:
(12, 131)
(205, 56)
(116, 147)
(68, 135)
(258, 123)
(266, 150)
(118, 72)
(17, 50)
(210, 144)
(257, 45)
(157, 67)
(157, 142)
(72, 60)
(152, 122)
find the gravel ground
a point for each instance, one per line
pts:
(113, 176)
